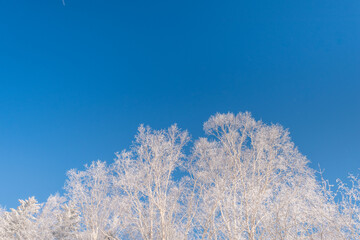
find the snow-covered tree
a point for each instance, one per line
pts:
(90, 193)
(349, 208)
(145, 176)
(57, 220)
(19, 224)
(53, 220)
(254, 184)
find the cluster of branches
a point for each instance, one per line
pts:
(245, 180)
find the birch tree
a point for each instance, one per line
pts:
(145, 176)
(90, 192)
(349, 207)
(254, 184)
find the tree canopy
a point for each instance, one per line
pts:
(244, 180)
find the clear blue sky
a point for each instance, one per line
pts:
(77, 80)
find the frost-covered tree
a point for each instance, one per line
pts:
(145, 176)
(34, 221)
(254, 184)
(19, 224)
(90, 193)
(58, 220)
(349, 208)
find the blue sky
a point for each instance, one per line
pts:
(77, 80)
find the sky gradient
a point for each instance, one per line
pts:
(77, 80)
